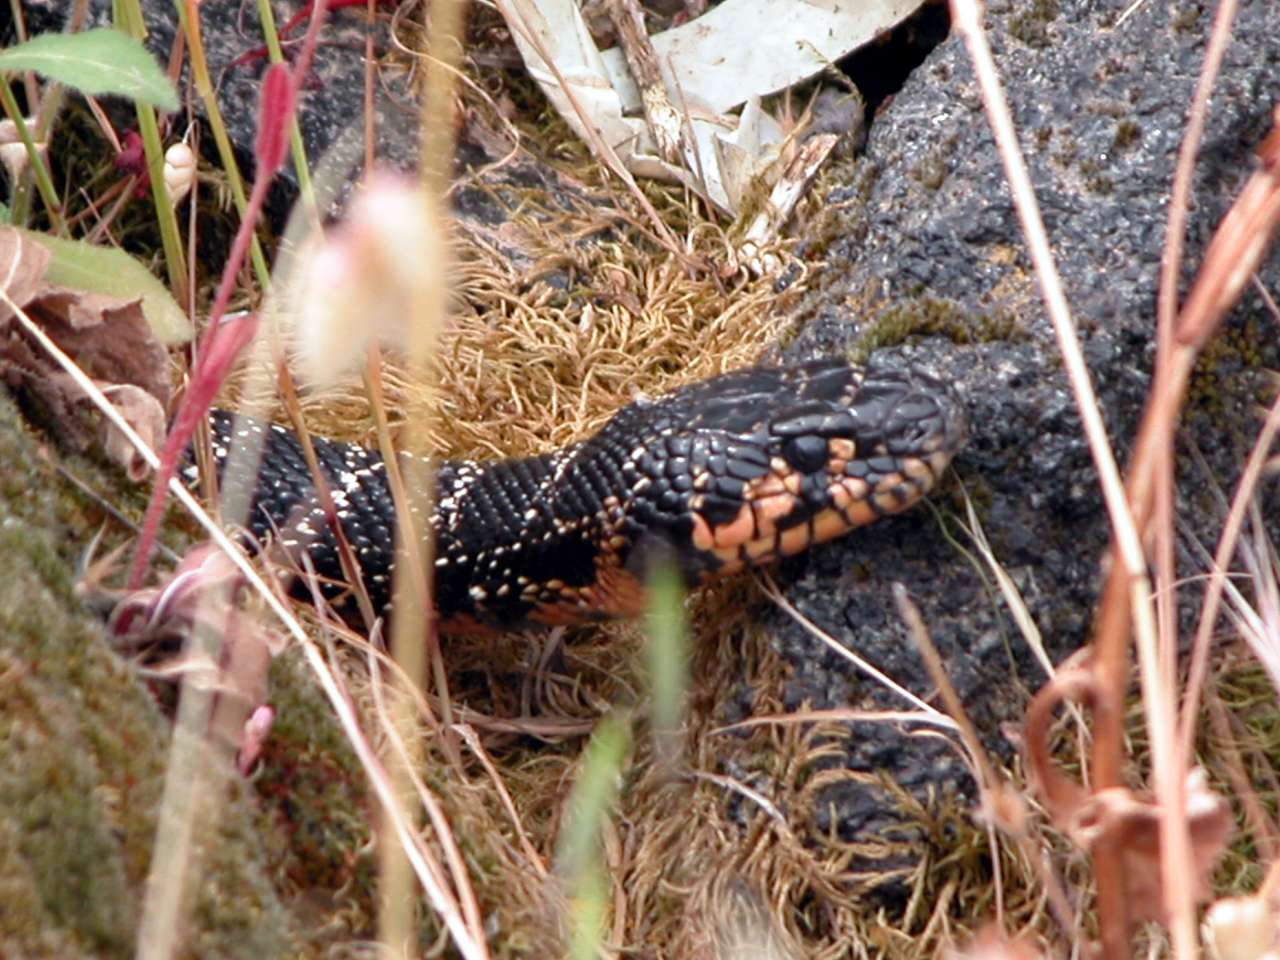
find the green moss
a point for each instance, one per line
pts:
(1067, 151)
(845, 219)
(1215, 388)
(931, 171)
(84, 754)
(1188, 18)
(1248, 697)
(1094, 179)
(1031, 25)
(926, 316)
(1128, 133)
(314, 788)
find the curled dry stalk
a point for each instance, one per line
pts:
(1235, 252)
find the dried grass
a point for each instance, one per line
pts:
(539, 352)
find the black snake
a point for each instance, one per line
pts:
(732, 471)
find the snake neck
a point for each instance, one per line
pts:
(739, 470)
(516, 539)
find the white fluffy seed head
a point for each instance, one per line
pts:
(373, 277)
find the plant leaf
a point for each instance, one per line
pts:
(95, 62)
(82, 266)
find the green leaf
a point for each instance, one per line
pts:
(668, 632)
(82, 266)
(95, 62)
(579, 859)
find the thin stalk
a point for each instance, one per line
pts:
(411, 630)
(129, 16)
(1130, 573)
(44, 183)
(189, 17)
(296, 147)
(1171, 771)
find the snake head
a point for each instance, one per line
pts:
(772, 460)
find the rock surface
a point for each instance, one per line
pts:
(84, 752)
(923, 250)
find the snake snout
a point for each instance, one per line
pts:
(918, 414)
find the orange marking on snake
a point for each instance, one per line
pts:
(739, 530)
(552, 615)
(892, 501)
(889, 482)
(842, 448)
(772, 508)
(860, 513)
(767, 486)
(618, 591)
(702, 537)
(829, 524)
(918, 469)
(794, 540)
(857, 489)
(758, 549)
(465, 625)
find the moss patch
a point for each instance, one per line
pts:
(927, 316)
(84, 751)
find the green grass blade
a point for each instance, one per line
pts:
(668, 635)
(578, 857)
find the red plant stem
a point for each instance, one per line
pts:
(214, 357)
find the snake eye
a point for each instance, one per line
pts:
(808, 454)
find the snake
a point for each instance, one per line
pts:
(734, 471)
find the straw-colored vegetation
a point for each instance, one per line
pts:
(697, 861)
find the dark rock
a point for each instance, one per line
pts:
(1101, 111)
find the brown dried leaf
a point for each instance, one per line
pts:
(22, 269)
(143, 412)
(1119, 818)
(108, 337)
(1130, 822)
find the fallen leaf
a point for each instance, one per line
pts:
(107, 336)
(23, 266)
(82, 266)
(143, 412)
(737, 53)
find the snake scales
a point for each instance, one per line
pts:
(737, 470)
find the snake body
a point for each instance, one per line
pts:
(737, 470)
